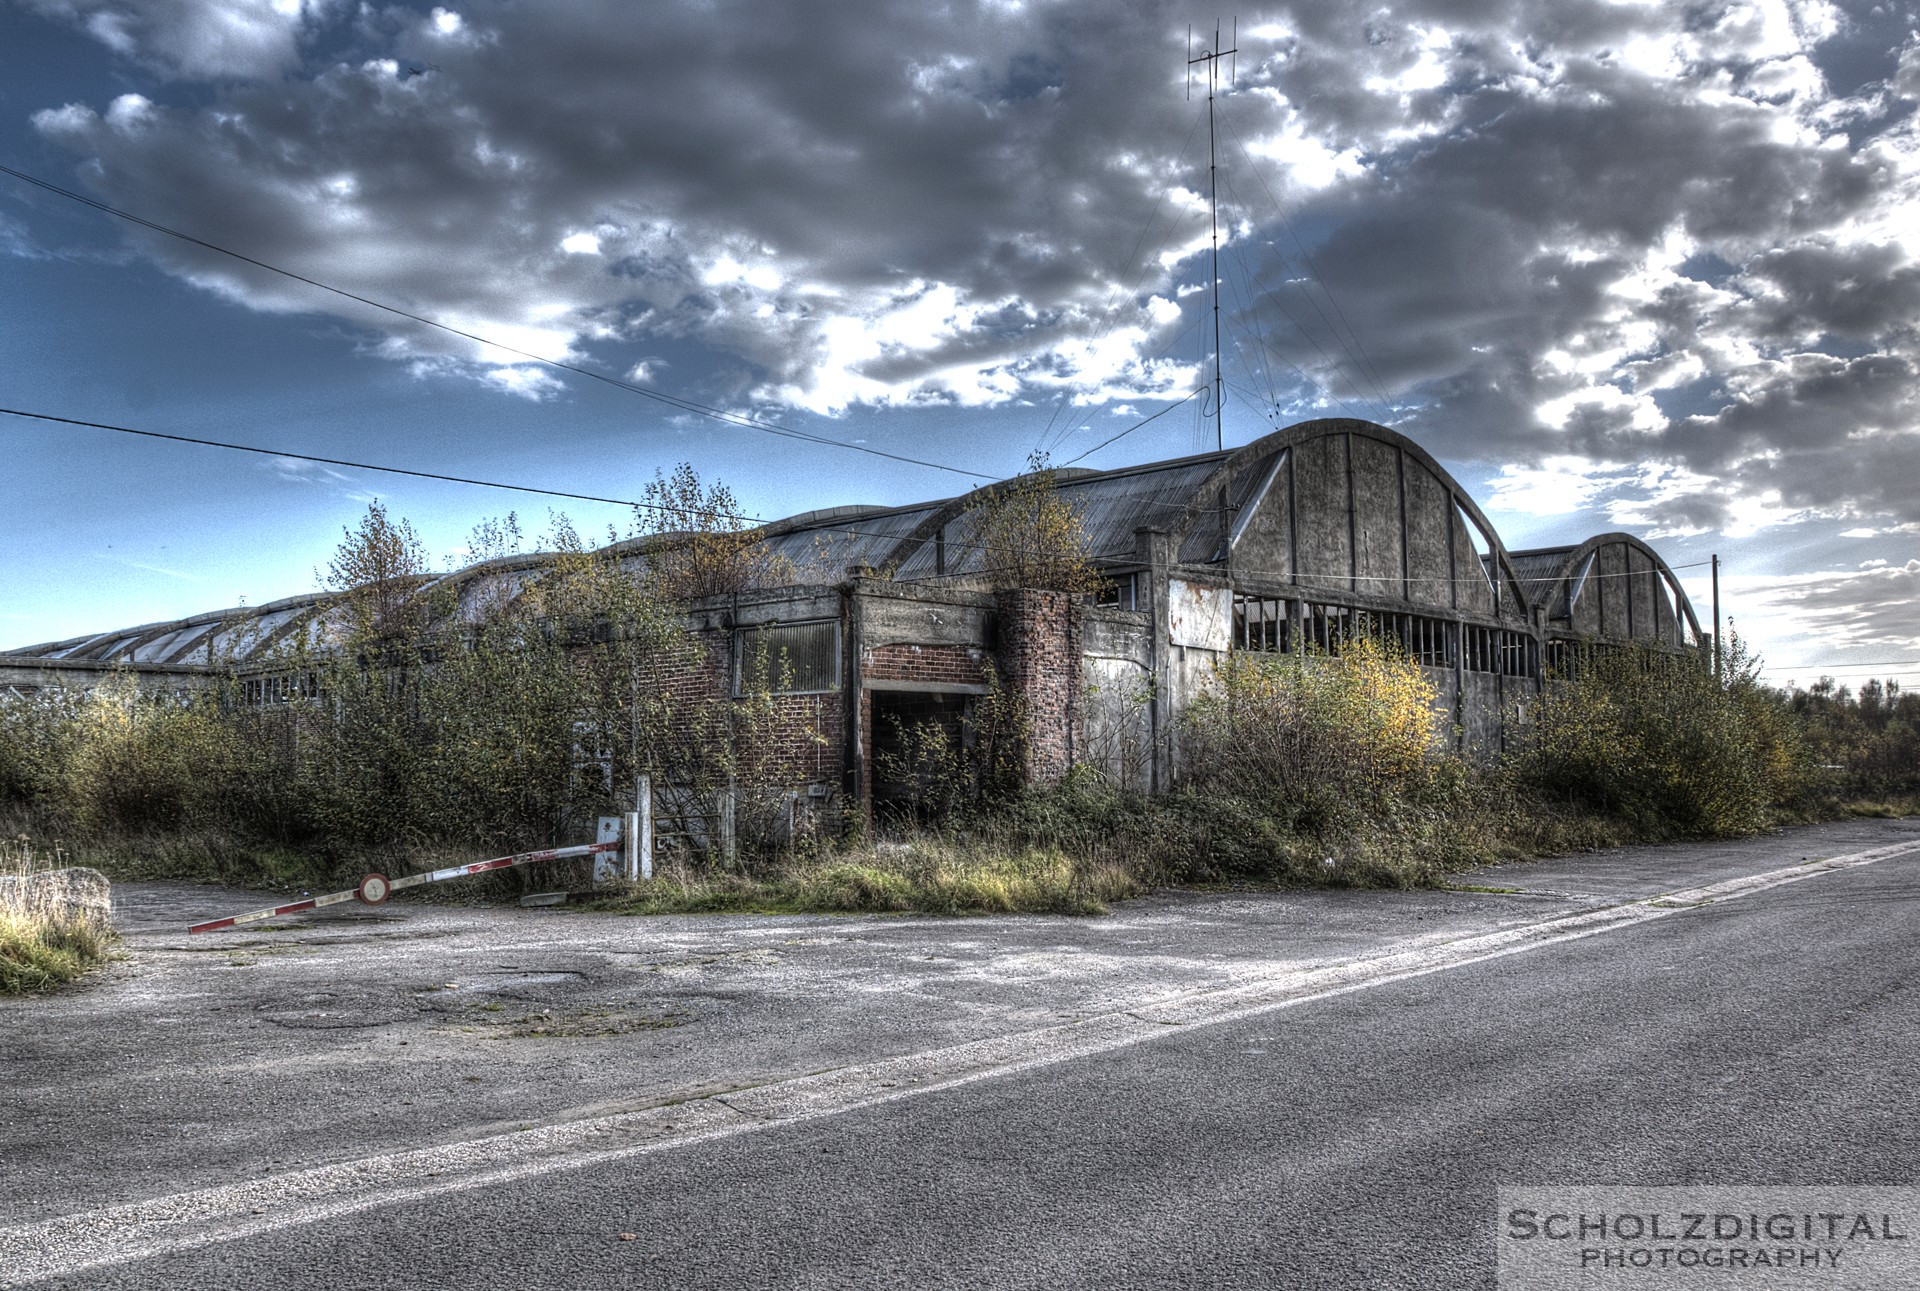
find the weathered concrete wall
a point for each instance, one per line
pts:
(1612, 590)
(923, 616)
(1117, 733)
(1189, 673)
(28, 675)
(1640, 596)
(1118, 711)
(1264, 554)
(1480, 717)
(1429, 512)
(1446, 706)
(1117, 634)
(1666, 624)
(1320, 492)
(1586, 608)
(1473, 594)
(1376, 516)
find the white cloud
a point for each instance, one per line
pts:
(193, 39)
(1558, 239)
(524, 380)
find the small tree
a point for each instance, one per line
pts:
(704, 546)
(1030, 537)
(375, 572)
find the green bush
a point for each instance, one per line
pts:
(1657, 741)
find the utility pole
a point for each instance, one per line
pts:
(1212, 59)
(1716, 616)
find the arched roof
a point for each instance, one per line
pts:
(930, 540)
(1556, 578)
(1239, 473)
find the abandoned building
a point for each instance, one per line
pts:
(1291, 543)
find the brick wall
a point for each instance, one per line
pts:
(1040, 667)
(953, 665)
(801, 738)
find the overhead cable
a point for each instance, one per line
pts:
(660, 396)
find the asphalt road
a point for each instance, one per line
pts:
(1333, 1140)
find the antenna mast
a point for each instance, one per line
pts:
(1212, 59)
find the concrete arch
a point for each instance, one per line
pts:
(1595, 589)
(1246, 477)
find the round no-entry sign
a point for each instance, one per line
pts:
(374, 889)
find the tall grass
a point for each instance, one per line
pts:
(930, 873)
(42, 943)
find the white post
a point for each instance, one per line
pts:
(640, 829)
(727, 842)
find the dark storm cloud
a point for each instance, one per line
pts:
(1655, 241)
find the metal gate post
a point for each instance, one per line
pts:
(640, 831)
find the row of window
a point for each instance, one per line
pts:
(282, 689)
(1263, 623)
(804, 658)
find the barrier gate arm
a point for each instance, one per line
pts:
(376, 888)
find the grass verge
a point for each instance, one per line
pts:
(42, 944)
(927, 875)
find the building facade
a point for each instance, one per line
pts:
(891, 618)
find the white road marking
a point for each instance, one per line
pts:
(204, 1217)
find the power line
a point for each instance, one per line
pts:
(1130, 429)
(329, 461)
(673, 401)
(742, 517)
(1381, 411)
(1133, 262)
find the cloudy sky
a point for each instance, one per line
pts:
(1620, 266)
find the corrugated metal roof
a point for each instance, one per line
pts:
(1112, 505)
(823, 545)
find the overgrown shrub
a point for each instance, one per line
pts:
(412, 714)
(1314, 738)
(1656, 740)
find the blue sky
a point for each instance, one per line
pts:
(1617, 269)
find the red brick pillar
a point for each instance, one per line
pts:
(1040, 669)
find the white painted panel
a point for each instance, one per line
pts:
(1198, 615)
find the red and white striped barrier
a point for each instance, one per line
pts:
(375, 888)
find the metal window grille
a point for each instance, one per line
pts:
(1260, 623)
(788, 658)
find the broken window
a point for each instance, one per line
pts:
(1120, 592)
(787, 658)
(1259, 623)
